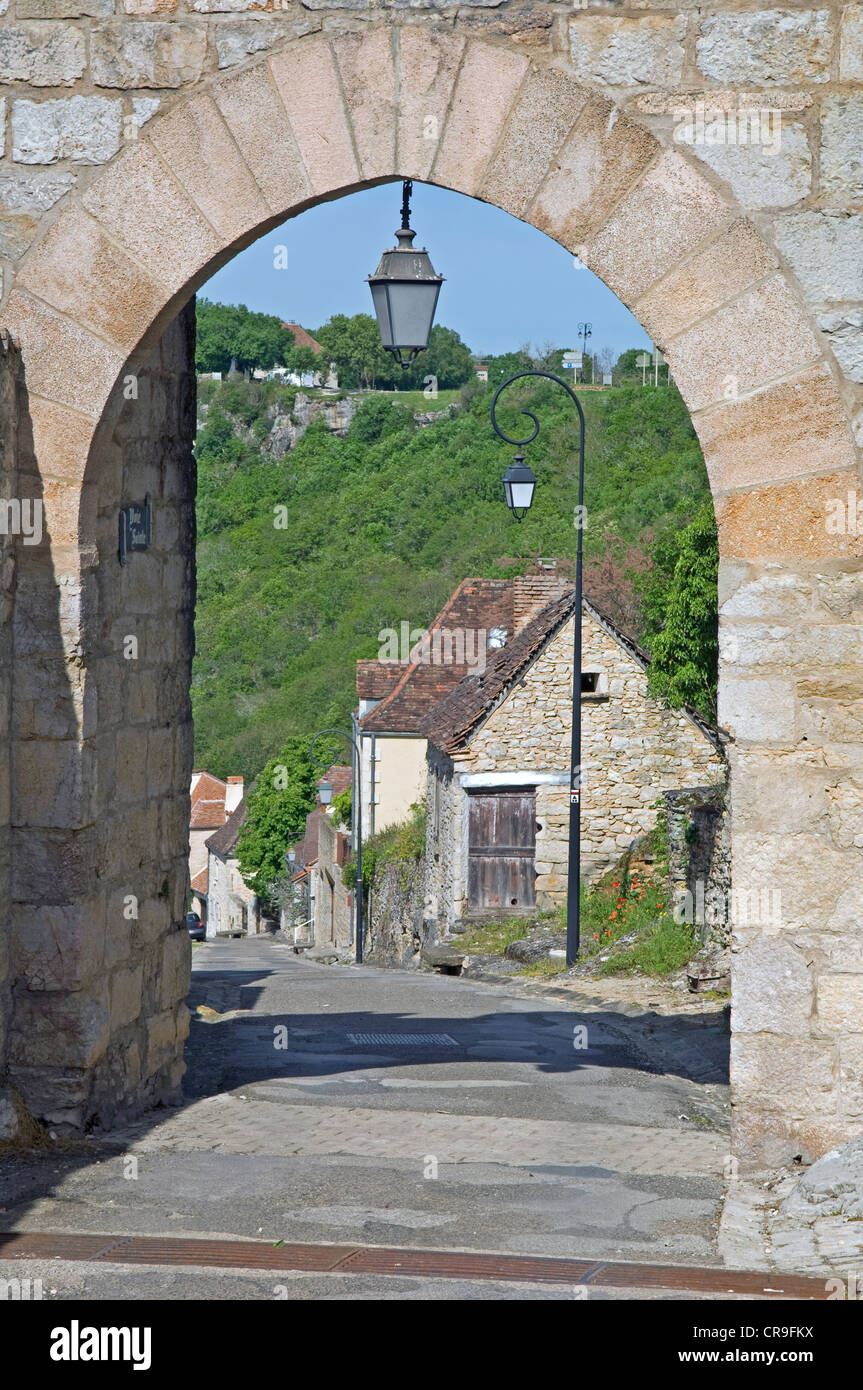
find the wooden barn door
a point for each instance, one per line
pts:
(501, 850)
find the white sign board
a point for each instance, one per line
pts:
(571, 359)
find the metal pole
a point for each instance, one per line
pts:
(573, 898)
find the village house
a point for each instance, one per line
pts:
(321, 913)
(395, 696)
(498, 757)
(211, 802)
(233, 909)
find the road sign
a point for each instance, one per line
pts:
(571, 359)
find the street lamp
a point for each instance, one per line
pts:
(518, 487)
(573, 900)
(325, 793)
(585, 331)
(405, 292)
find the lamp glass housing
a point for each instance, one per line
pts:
(519, 485)
(405, 292)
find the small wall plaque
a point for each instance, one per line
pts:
(134, 527)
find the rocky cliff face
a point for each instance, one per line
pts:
(287, 429)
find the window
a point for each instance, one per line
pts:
(595, 683)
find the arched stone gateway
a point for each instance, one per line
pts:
(187, 135)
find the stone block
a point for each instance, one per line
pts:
(844, 333)
(708, 279)
(86, 130)
(840, 1004)
(307, 80)
(194, 141)
(43, 55)
(237, 42)
(34, 192)
(109, 292)
(147, 53)
(634, 52)
(126, 996)
(256, 119)
(428, 63)
(666, 214)
(842, 145)
(788, 429)
(54, 784)
(58, 948)
(367, 71)
(60, 1030)
(766, 47)
(758, 710)
(485, 92)
(825, 252)
(761, 335)
(62, 9)
(851, 44)
(791, 519)
(548, 105)
(798, 1075)
(773, 989)
(138, 202)
(763, 175)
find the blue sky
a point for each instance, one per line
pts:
(506, 283)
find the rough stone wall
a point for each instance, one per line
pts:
(699, 860)
(100, 951)
(633, 750)
(398, 925)
(142, 145)
(11, 383)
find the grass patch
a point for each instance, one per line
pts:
(550, 965)
(664, 948)
(492, 938)
(416, 401)
(634, 904)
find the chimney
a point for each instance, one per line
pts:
(233, 794)
(532, 592)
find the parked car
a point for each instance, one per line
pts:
(194, 926)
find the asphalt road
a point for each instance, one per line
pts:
(346, 1104)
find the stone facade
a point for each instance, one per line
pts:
(633, 750)
(141, 145)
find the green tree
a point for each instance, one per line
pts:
(681, 605)
(354, 345)
(446, 358)
(277, 806)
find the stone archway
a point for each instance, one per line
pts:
(100, 748)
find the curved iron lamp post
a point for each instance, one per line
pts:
(516, 503)
(357, 816)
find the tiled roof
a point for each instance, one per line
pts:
(339, 778)
(200, 881)
(307, 848)
(450, 725)
(375, 679)
(224, 841)
(302, 338)
(477, 606)
(208, 802)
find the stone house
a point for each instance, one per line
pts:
(395, 696)
(498, 756)
(233, 908)
(211, 803)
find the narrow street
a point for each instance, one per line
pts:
(341, 1104)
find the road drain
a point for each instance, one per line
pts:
(402, 1040)
(426, 1264)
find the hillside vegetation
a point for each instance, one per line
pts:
(303, 560)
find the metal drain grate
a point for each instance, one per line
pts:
(402, 1040)
(172, 1251)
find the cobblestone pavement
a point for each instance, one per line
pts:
(336, 1102)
